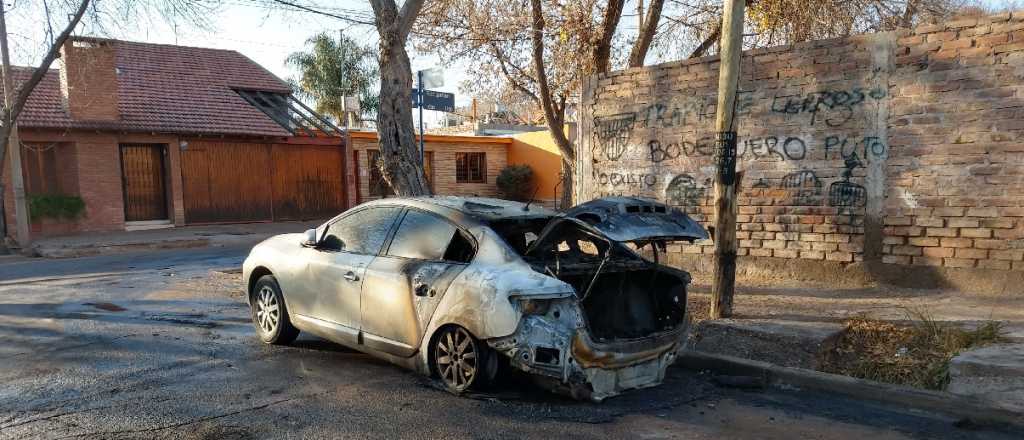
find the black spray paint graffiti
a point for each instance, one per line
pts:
(612, 133)
(804, 186)
(846, 194)
(627, 179)
(770, 147)
(683, 190)
(868, 147)
(836, 107)
(789, 148)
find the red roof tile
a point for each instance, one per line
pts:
(165, 88)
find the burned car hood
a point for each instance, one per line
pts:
(636, 220)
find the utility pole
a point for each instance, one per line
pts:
(724, 282)
(14, 144)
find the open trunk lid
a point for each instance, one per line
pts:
(636, 220)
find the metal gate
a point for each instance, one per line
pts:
(240, 181)
(143, 181)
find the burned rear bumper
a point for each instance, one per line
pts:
(569, 361)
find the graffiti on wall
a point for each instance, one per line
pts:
(834, 107)
(684, 190)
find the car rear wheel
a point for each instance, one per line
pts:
(269, 313)
(461, 361)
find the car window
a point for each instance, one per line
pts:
(428, 237)
(362, 232)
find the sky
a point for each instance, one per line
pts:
(266, 36)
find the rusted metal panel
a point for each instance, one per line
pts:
(308, 181)
(145, 189)
(226, 182)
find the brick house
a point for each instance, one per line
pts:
(150, 135)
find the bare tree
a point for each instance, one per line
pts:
(401, 164)
(575, 40)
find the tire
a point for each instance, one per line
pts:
(269, 314)
(461, 361)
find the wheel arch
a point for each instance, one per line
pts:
(257, 273)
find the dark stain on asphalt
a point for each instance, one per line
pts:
(110, 307)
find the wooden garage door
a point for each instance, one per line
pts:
(142, 175)
(235, 182)
(308, 182)
(226, 182)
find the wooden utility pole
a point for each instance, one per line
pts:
(14, 145)
(724, 283)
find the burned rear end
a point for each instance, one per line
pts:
(626, 317)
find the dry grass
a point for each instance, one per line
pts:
(915, 354)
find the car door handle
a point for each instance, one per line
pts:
(351, 276)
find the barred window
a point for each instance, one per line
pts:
(470, 167)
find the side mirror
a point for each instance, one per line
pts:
(309, 238)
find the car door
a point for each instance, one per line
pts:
(336, 267)
(403, 286)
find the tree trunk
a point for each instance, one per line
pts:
(400, 163)
(602, 51)
(554, 113)
(648, 26)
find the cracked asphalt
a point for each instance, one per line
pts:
(159, 345)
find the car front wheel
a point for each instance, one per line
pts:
(269, 313)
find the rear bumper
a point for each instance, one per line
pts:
(568, 361)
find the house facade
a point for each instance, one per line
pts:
(147, 135)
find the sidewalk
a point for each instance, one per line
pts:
(801, 327)
(101, 243)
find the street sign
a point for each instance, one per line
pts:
(431, 78)
(439, 101)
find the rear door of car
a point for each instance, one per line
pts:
(403, 286)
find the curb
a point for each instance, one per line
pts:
(110, 248)
(959, 406)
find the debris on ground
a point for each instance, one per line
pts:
(916, 353)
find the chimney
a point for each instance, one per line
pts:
(89, 79)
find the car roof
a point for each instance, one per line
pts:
(481, 208)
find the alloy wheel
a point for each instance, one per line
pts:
(268, 312)
(456, 356)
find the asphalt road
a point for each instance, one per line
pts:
(159, 345)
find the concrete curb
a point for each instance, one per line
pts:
(115, 248)
(964, 407)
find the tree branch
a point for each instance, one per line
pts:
(554, 125)
(638, 53)
(12, 113)
(603, 47)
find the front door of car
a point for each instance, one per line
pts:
(402, 288)
(336, 268)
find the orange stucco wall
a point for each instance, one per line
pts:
(538, 150)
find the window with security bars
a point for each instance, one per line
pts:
(470, 167)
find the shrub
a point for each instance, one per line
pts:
(55, 206)
(516, 182)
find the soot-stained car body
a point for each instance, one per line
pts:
(454, 287)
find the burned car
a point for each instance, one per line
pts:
(456, 287)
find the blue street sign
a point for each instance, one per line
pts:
(439, 101)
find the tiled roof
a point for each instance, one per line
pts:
(165, 88)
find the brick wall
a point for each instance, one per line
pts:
(904, 148)
(89, 80)
(444, 149)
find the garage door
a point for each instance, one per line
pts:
(227, 182)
